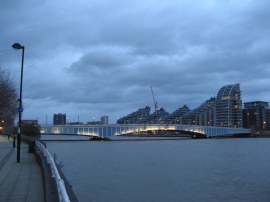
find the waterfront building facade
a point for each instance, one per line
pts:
(136, 117)
(228, 108)
(225, 110)
(268, 119)
(256, 115)
(190, 118)
(59, 119)
(143, 116)
(204, 115)
(177, 116)
(158, 117)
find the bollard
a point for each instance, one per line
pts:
(13, 141)
(30, 148)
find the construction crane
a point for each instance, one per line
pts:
(154, 99)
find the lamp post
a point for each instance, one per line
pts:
(20, 109)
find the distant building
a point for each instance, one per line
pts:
(256, 115)
(229, 107)
(177, 116)
(204, 115)
(158, 117)
(59, 119)
(268, 119)
(208, 110)
(143, 116)
(136, 117)
(104, 120)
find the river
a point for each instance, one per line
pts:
(167, 170)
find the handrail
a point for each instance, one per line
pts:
(62, 193)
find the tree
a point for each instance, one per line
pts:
(8, 99)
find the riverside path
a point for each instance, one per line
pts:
(19, 181)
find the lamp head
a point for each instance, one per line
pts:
(17, 46)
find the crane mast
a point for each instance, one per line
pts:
(154, 99)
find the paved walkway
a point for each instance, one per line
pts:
(19, 181)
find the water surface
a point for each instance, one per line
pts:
(168, 170)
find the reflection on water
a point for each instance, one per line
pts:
(169, 170)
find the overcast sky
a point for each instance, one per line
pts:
(100, 57)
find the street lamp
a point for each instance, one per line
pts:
(20, 109)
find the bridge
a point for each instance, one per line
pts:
(131, 129)
(165, 133)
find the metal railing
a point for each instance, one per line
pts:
(62, 193)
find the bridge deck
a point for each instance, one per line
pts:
(118, 129)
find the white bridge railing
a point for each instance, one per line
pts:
(62, 193)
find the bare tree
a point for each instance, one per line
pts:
(8, 99)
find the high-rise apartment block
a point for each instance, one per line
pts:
(104, 120)
(177, 116)
(229, 107)
(157, 117)
(59, 119)
(256, 115)
(135, 117)
(204, 115)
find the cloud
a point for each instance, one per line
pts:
(101, 57)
